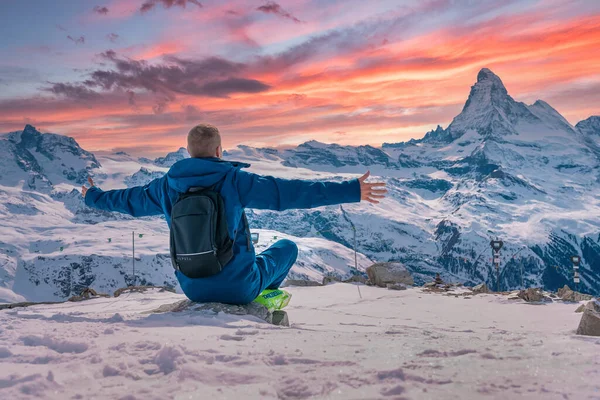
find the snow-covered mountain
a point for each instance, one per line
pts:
(502, 169)
(169, 159)
(40, 162)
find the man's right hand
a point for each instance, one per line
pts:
(371, 191)
(85, 189)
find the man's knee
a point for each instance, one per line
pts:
(290, 247)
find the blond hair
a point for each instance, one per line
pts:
(203, 140)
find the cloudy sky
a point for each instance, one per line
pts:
(137, 74)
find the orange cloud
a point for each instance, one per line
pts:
(150, 52)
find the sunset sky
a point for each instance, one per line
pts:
(135, 75)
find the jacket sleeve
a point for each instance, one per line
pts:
(138, 201)
(269, 193)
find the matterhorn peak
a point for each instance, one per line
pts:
(489, 110)
(486, 75)
(490, 85)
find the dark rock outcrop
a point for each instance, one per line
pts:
(382, 274)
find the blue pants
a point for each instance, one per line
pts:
(242, 283)
(275, 262)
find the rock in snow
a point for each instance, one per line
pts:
(396, 286)
(301, 282)
(254, 309)
(590, 320)
(482, 288)
(382, 274)
(566, 294)
(533, 295)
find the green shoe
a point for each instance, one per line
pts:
(274, 299)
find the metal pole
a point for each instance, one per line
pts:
(522, 285)
(496, 247)
(496, 258)
(498, 277)
(133, 254)
(355, 261)
(354, 230)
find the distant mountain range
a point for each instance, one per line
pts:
(502, 168)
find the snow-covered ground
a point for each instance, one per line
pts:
(389, 344)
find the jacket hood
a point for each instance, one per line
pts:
(199, 172)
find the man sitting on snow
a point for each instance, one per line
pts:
(230, 272)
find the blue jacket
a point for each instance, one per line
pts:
(240, 280)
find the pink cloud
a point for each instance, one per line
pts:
(151, 4)
(101, 10)
(272, 7)
(79, 40)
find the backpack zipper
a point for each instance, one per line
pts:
(198, 254)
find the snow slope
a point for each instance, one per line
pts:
(389, 344)
(52, 246)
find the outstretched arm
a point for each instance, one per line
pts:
(138, 201)
(267, 192)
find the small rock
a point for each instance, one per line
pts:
(301, 282)
(593, 305)
(590, 320)
(438, 280)
(87, 293)
(533, 295)
(566, 294)
(389, 272)
(580, 309)
(482, 288)
(329, 279)
(142, 289)
(356, 278)
(280, 318)
(563, 290)
(396, 286)
(255, 309)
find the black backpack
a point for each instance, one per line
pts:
(200, 242)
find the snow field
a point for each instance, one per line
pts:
(391, 344)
